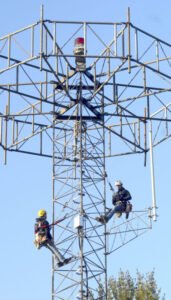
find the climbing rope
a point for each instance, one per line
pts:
(55, 223)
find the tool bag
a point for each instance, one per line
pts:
(39, 240)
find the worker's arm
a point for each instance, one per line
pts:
(115, 198)
(47, 229)
(36, 227)
(125, 195)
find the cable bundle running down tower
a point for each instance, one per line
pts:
(91, 94)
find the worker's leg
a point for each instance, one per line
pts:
(104, 219)
(51, 246)
(115, 209)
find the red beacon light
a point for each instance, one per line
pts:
(79, 46)
(80, 60)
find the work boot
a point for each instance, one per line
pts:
(60, 264)
(67, 260)
(101, 219)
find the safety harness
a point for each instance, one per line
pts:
(125, 210)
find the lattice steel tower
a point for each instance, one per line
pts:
(88, 101)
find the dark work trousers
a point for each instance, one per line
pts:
(51, 246)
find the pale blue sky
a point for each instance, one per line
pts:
(26, 182)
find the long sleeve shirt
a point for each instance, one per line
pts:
(121, 195)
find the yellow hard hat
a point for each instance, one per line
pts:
(42, 213)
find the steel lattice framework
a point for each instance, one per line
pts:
(81, 119)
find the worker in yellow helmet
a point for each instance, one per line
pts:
(44, 238)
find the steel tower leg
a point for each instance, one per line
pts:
(79, 192)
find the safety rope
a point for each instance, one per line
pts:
(53, 224)
(58, 221)
(111, 187)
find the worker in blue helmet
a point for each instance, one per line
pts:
(120, 200)
(44, 238)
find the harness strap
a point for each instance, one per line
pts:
(121, 204)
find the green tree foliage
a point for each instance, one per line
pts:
(143, 287)
(122, 288)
